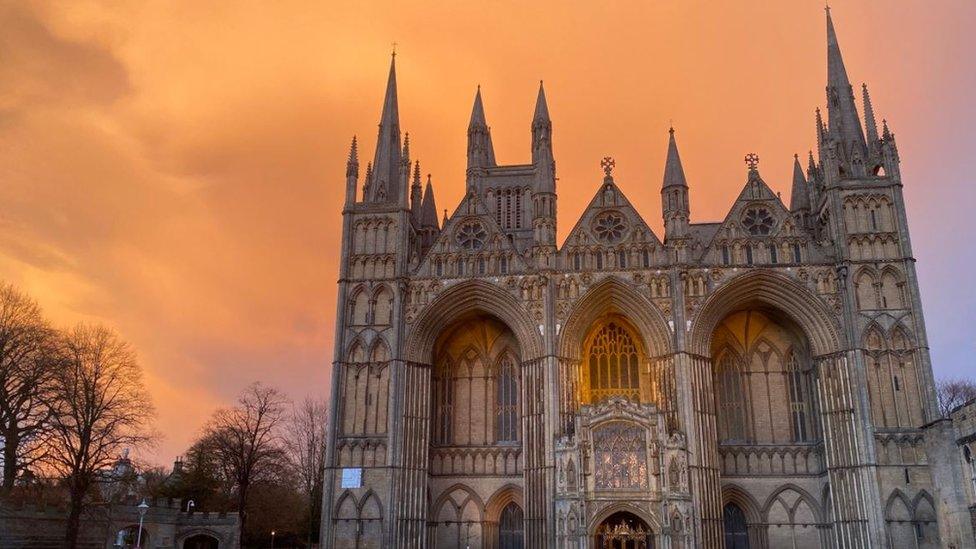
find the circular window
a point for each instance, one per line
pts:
(610, 227)
(758, 221)
(471, 235)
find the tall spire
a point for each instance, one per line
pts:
(674, 174)
(799, 197)
(844, 124)
(481, 152)
(386, 161)
(428, 216)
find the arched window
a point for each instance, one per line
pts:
(506, 400)
(510, 530)
(731, 392)
(736, 529)
(444, 405)
(773, 254)
(748, 254)
(576, 261)
(599, 259)
(612, 361)
(725, 255)
(647, 258)
(799, 389)
(503, 264)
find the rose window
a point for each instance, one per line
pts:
(610, 227)
(758, 221)
(471, 235)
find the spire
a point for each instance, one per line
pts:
(444, 222)
(845, 126)
(674, 174)
(478, 113)
(799, 198)
(352, 173)
(386, 161)
(870, 124)
(428, 216)
(415, 193)
(481, 152)
(352, 163)
(541, 129)
(541, 107)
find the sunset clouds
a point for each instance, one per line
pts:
(176, 169)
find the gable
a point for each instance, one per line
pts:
(471, 244)
(611, 223)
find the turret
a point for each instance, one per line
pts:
(544, 193)
(428, 217)
(674, 194)
(481, 153)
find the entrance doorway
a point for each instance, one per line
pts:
(623, 530)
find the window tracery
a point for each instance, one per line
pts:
(620, 456)
(471, 235)
(613, 360)
(610, 227)
(758, 221)
(731, 392)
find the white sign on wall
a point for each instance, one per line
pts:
(352, 477)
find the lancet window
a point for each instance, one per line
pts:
(731, 392)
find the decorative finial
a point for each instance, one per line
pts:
(394, 49)
(796, 156)
(607, 164)
(752, 160)
(671, 126)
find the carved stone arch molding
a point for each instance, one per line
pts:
(771, 290)
(755, 517)
(510, 493)
(603, 514)
(614, 296)
(803, 496)
(464, 299)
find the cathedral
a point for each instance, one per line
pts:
(759, 382)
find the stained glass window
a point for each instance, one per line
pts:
(620, 456)
(731, 398)
(506, 400)
(613, 364)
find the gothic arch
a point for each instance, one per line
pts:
(804, 496)
(733, 493)
(380, 351)
(458, 506)
(617, 507)
(509, 493)
(612, 295)
(467, 298)
(199, 531)
(376, 511)
(773, 290)
(892, 506)
(356, 352)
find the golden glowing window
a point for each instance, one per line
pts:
(612, 361)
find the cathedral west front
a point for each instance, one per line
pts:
(759, 382)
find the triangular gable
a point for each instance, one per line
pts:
(471, 213)
(755, 195)
(609, 197)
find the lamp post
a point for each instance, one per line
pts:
(143, 507)
(272, 539)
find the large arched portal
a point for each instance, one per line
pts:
(476, 383)
(623, 530)
(763, 377)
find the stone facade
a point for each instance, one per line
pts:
(763, 381)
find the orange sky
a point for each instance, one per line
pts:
(176, 169)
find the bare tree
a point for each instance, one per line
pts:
(246, 440)
(306, 447)
(27, 354)
(101, 407)
(953, 392)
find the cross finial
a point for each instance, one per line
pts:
(607, 164)
(752, 160)
(394, 49)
